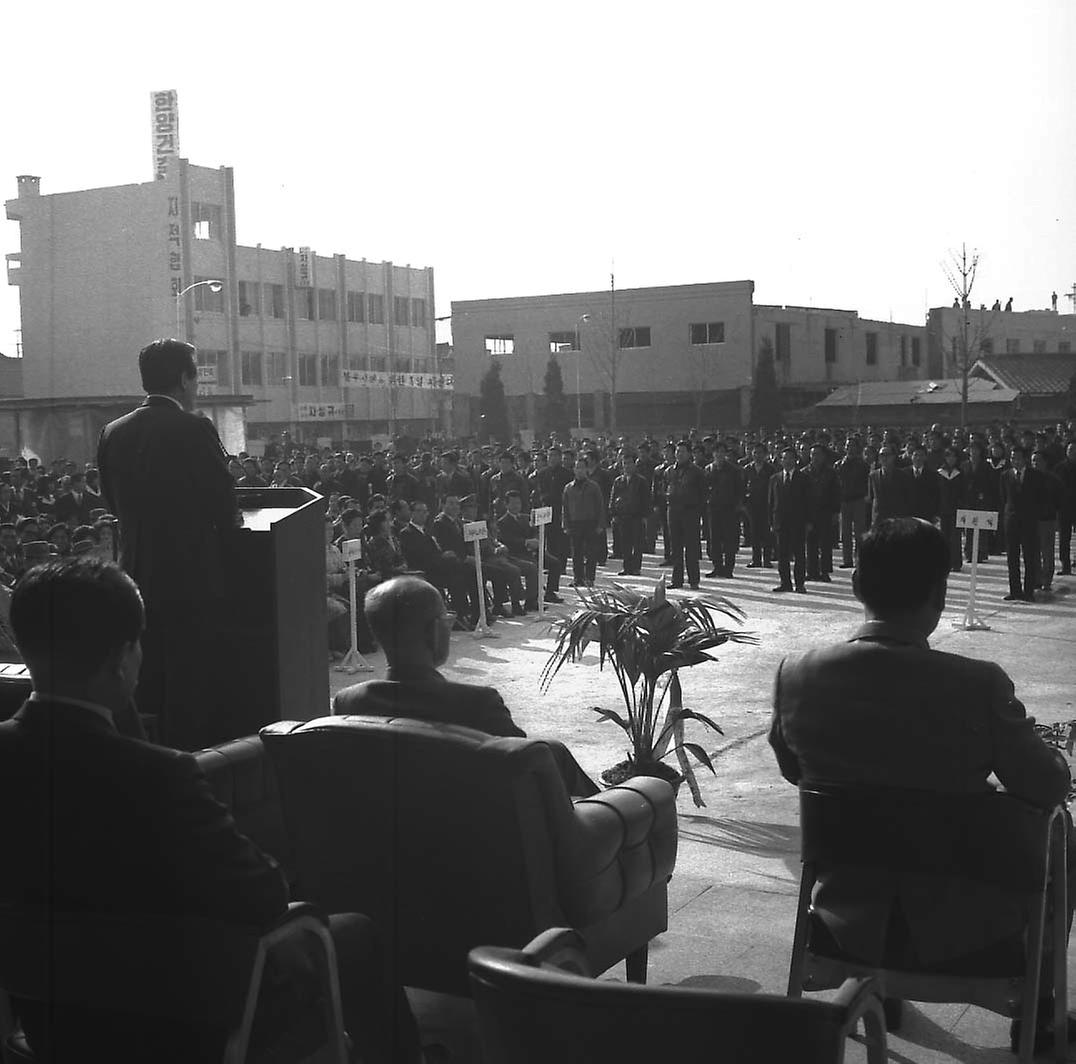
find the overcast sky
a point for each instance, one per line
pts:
(832, 152)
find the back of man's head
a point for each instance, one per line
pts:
(70, 616)
(164, 364)
(902, 562)
(400, 613)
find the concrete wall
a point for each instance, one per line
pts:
(1023, 329)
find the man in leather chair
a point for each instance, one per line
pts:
(409, 621)
(104, 823)
(884, 710)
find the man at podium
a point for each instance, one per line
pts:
(164, 474)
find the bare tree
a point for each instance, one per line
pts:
(601, 342)
(967, 343)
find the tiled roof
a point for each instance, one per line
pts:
(1030, 374)
(930, 393)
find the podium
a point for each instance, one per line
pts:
(278, 640)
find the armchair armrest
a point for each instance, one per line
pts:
(862, 999)
(558, 947)
(619, 844)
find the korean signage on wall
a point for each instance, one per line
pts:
(175, 247)
(354, 378)
(164, 119)
(304, 275)
(326, 411)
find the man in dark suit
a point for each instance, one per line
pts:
(823, 505)
(788, 516)
(885, 489)
(884, 710)
(104, 823)
(423, 555)
(74, 506)
(922, 491)
(1066, 473)
(408, 620)
(165, 475)
(757, 476)
(629, 506)
(1020, 487)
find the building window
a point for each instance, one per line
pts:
(250, 299)
(782, 348)
(915, 351)
(205, 299)
(377, 363)
(308, 370)
(330, 371)
(326, 304)
(872, 349)
(206, 221)
(831, 345)
(356, 364)
(986, 347)
(903, 350)
(212, 367)
(707, 332)
(562, 341)
(275, 299)
(376, 307)
(1012, 347)
(636, 336)
(250, 367)
(1064, 347)
(418, 313)
(1038, 347)
(304, 303)
(500, 345)
(401, 307)
(356, 306)
(278, 367)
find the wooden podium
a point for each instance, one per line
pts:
(278, 645)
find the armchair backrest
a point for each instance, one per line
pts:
(445, 837)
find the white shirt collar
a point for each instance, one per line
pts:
(93, 707)
(170, 398)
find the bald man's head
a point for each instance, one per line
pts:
(408, 619)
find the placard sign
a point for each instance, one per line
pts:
(985, 519)
(542, 515)
(304, 275)
(474, 531)
(352, 551)
(164, 120)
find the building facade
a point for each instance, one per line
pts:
(325, 346)
(673, 357)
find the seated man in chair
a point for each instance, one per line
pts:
(409, 621)
(884, 710)
(102, 822)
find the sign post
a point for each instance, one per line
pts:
(975, 520)
(474, 532)
(353, 661)
(541, 516)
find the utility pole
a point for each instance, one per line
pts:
(960, 273)
(613, 349)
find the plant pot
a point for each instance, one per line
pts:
(626, 770)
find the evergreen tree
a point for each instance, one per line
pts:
(765, 395)
(493, 407)
(555, 416)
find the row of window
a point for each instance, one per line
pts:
(633, 336)
(312, 304)
(782, 348)
(1012, 347)
(256, 370)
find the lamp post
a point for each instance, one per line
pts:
(214, 286)
(578, 359)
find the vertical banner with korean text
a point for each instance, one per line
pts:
(164, 120)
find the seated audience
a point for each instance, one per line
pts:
(409, 620)
(59, 537)
(884, 710)
(521, 538)
(104, 822)
(451, 576)
(506, 578)
(383, 557)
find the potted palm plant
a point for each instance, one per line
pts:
(647, 639)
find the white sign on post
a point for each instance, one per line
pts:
(977, 521)
(352, 551)
(541, 516)
(353, 661)
(474, 532)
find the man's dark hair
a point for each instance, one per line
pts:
(512, 494)
(75, 613)
(350, 514)
(164, 364)
(452, 457)
(900, 563)
(399, 610)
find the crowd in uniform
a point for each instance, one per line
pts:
(793, 499)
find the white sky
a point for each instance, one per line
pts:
(832, 151)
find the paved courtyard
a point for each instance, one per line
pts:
(732, 897)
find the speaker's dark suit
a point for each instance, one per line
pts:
(884, 710)
(922, 494)
(164, 475)
(886, 495)
(103, 823)
(424, 694)
(789, 502)
(1020, 500)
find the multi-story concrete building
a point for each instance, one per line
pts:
(324, 346)
(673, 356)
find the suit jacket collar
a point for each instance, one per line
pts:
(888, 632)
(415, 675)
(57, 715)
(162, 401)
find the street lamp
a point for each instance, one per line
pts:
(578, 359)
(214, 286)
